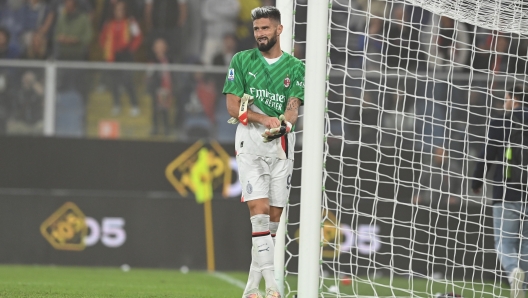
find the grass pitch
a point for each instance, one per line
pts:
(50, 281)
(37, 281)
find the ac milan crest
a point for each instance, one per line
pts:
(287, 82)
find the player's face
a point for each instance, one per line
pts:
(266, 32)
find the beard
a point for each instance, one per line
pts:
(265, 47)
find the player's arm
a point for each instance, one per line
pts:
(292, 110)
(233, 107)
(296, 95)
(287, 120)
(291, 113)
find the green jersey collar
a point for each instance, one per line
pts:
(282, 57)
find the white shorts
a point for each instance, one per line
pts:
(265, 177)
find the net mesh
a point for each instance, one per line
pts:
(412, 87)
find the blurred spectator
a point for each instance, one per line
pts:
(402, 46)
(7, 50)
(73, 33)
(120, 38)
(371, 45)
(481, 38)
(105, 11)
(244, 29)
(447, 43)
(229, 48)
(219, 17)
(30, 95)
(28, 105)
(376, 7)
(343, 24)
(56, 9)
(400, 52)
(200, 109)
(518, 54)
(166, 19)
(418, 16)
(194, 31)
(69, 114)
(492, 55)
(440, 180)
(4, 83)
(57, 6)
(71, 20)
(35, 14)
(37, 48)
(160, 88)
(12, 20)
(223, 58)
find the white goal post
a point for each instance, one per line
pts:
(313, 155)
(312, 149)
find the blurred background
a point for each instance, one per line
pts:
(108, 104)
(116, 98)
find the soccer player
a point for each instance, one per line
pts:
(510, 215)
(274, 80)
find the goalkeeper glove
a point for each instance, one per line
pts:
(277, 132)
(245, 101)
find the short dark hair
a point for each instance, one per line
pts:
(518, 92)
(268, 12)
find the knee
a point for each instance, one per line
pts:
(260, 206)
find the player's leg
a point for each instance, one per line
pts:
(254, 277)
(262, 241)
(281, 170)
(255, 274)
(523, 255)
(506, 219)
(254, 177)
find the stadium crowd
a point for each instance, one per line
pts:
(203, 32)
(124, 31)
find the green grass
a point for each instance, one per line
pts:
(28, 281)
(50, 281)
(419, 287)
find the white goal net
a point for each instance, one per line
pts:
(412, 87)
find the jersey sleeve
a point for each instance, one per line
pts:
(297, 89)
(234, 83)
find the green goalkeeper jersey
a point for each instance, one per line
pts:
(270, 85)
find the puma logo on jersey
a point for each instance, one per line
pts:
(253, 74)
